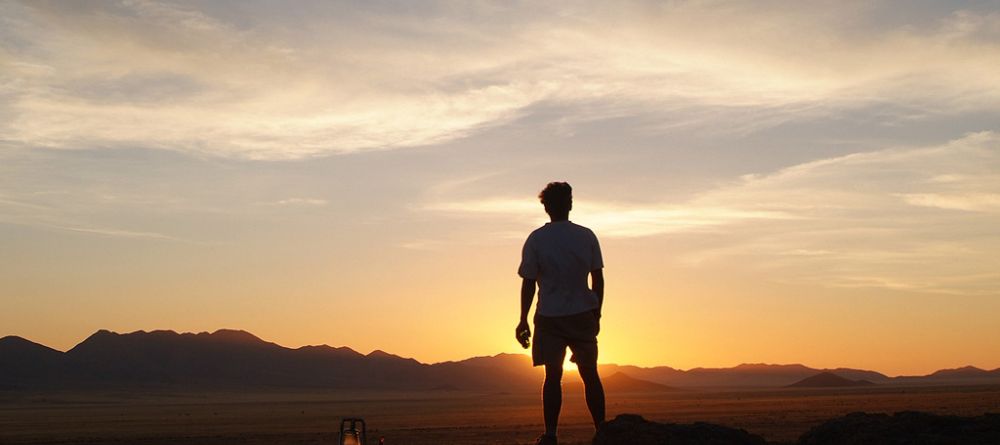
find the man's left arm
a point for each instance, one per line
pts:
(597, 273)
(597, 284)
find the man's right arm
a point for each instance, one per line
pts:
(527, 295)
(528, 270)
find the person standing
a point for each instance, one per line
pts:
(559, 257)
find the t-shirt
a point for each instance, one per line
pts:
(560, 256)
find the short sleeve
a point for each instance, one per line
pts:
(529, 261)
(596, 259)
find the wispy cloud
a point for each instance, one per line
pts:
(972, 202)
(116, 233)
(308, 202)
(202, 79)
(34, 215)
(918, 218)
(616, 220)
(57, 215)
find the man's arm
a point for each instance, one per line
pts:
(527, 295)
(597, 284)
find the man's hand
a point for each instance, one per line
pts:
(523, 334)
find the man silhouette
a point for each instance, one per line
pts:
(559, 257)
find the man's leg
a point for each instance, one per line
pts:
(594, 391)
(552, 397)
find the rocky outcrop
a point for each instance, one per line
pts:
(631, 429)
(911, 428)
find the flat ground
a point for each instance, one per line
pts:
(154, 417)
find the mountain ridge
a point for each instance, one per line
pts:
(237, 358)
(828, 379)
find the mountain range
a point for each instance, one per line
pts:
(238, 359)
(828, 380)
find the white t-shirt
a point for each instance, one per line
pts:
(560, 256)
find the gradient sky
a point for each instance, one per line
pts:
(781, 182)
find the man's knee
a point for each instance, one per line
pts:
(553, 373)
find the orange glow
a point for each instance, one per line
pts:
(314, 179)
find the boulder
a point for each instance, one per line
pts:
(631, 429)
(908, 427)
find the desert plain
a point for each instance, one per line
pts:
(157, 416)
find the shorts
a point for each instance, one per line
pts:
(554, 334)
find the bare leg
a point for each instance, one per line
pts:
(594, 391)
(552, 397)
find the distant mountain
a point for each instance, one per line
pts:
(23, 362)
(828, 380)
(744, 375)
(15, 350)
(963, 375)
(222, 359)
(860, 374)
(967, 372)
(620, 382)
(238, 359)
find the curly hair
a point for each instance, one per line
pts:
(557, 197)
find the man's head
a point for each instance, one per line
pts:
(557, 197)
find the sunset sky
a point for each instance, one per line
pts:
(779, 182)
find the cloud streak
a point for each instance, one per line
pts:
(615, 220)
(909, 218)
(34, 215)
(207, 81)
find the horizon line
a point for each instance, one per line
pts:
(243, 331)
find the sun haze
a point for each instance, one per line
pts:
(782, 183)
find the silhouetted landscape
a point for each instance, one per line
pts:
(744, 222)
(828, 380)
(233, 359)
(230, 386)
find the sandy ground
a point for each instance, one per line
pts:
(154, 417)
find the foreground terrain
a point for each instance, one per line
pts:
(157, 416)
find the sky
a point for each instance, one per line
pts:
(777, 182)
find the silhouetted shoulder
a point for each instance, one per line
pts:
(537, 231)
(534, 234)
(585, 229)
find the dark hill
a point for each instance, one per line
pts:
(745, 375)
(621, 382)
(26, 363)
(751, 375)
(963, 372)
(330, 351)
(828, 380)
(963, 375)
(235, 359)
(860, 374)
(239, 359)
(14, 348)
(502, 372)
